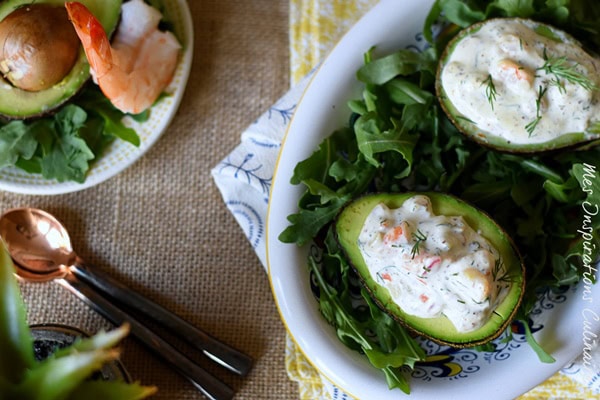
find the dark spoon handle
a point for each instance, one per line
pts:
(221, 353)
(210, 386)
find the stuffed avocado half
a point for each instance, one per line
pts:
(42, 63)
(521, 86)
(436, 264)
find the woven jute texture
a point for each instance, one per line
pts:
(161, 226)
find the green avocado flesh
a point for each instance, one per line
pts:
(16, 103)
(349, 224)
(485, 92)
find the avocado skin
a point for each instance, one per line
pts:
(20, 104)
(347, 227)
(568, 141)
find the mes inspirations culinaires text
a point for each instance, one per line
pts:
(590, 313)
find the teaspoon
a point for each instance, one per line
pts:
(41, 249)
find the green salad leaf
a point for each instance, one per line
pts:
(63, 146)
(398, 139)
(333, 175)
(68, 154)
(365, 327)
(15, 143)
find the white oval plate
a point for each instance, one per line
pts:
(559, 320)
(120, 154)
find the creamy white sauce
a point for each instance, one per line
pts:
(433, 265)
(511, 53)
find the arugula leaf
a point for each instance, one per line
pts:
(461, 13)
(431, 19)
(514, 8)
(372, 139)
(398, 347)
(94, 102)
(306, 224)
(402, 62)
(387, 344)
(333, 174)
(541, 353)
(395, 379)
(587, 176)
(568, 191)
(68, 157)
(15, 143)
(564, 272)
(487, 193)
(405, 92)
(316, 167)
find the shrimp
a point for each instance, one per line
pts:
(397, 234)
(140, 63)
(393, 235)
(520, 73)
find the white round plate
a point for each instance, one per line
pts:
(561, 321)
(120, 154)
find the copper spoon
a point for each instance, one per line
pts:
(41, 250)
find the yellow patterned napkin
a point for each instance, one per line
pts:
(315, 26)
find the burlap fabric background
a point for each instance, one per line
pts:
(161, 225)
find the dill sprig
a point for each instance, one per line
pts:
(559, 84)
(490, 90)
(419, 238)
(500, 273)
(530, 127)
(561, 68)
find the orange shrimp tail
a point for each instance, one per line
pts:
(92, 36)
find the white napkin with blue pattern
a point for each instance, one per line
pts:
(244, 176)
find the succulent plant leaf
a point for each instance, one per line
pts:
(102, 340)
(115, 390)
(55, 378)
(15, 337)
(6, 390)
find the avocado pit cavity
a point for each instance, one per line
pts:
(38, 46)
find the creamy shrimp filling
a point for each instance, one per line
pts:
(520, 85)
(433, 265)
